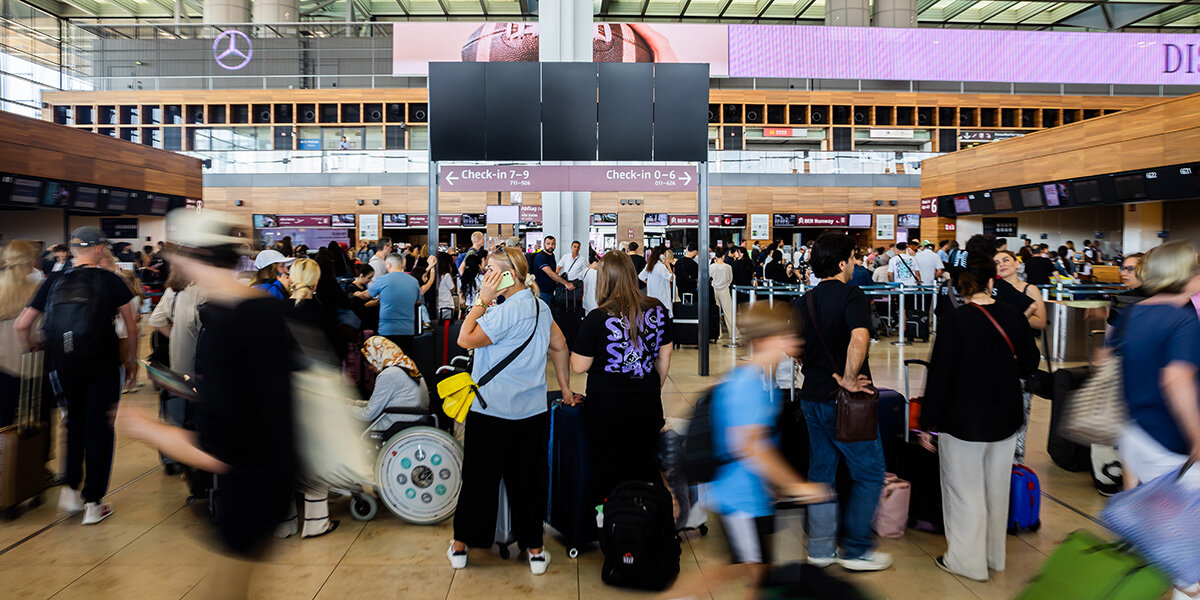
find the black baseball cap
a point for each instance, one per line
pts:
(87, 237)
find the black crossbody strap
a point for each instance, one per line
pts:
(494, 371)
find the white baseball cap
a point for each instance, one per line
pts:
(271, 257)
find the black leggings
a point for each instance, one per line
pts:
(495, 448)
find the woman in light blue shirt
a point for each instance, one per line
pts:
(507, 425)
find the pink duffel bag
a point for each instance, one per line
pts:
(891, 518)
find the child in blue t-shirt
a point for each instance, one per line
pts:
(753, 473)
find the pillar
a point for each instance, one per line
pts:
(276, 11)
(227, 11)
(848, 13)
(895, 13)
(565, 35)
(1142, 223)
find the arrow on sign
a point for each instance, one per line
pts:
(450, 178)
(687, 178)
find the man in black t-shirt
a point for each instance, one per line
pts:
(743, 271)
(84, 355)
(545, 271)
(639, 262)
(687, 271)
(837, 335)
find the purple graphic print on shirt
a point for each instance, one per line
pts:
(635, 359)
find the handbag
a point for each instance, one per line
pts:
(857, 412)
(459, 391)
(1095, 413)
(1160, 519)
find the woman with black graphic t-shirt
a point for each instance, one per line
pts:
(624, 346)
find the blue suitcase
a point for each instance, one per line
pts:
(893, 412)
(1024, 501)
(567, 510)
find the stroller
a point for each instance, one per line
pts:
(418, 466)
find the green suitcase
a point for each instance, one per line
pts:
(1086, 567)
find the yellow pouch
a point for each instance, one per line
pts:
(457, 391)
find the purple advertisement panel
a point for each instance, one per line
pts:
(963, 55)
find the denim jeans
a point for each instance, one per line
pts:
(866, 465)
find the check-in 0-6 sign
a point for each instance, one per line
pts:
(562, 178)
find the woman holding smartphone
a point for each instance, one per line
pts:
(511, 330)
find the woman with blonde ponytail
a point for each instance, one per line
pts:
(16, 289)
(506, 427)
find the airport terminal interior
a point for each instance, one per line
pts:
(415, 136)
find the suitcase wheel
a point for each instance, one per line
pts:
(37, 501)
(503, 550)
(363, 507)
(1035, 526)
(703, 529)
(573, 553)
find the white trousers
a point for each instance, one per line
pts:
(725, 302)
(975, 488)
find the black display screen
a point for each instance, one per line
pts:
(569, 111)
(514, 111)
(474, 219)
(1087, 191)
(1031, 197)
(86, 197)
(26, 191)
(1130, 187)
(457, 111)
(626, 113)
(1002, 200)
(118, 201)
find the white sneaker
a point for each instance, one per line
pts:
(820, 562)
(94, 513)
(538, 563)
(458, 560)
(69, 501)
(871, 561)
(1190, 593)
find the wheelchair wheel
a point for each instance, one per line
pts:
(363, 507)
(419, 474)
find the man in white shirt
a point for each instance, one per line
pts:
(589, 285)
(379, 261)
(929, 265)
(902, 268)
(574, 267)
(721, 274)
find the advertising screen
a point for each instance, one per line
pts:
(415, 45)
(728, 220)
(1051, 192)
(911, 221)
(604, 218)
(342, 220)
(860, 220)
(1002, 200)
(56, 194)
(1130, 187)
(395, 220)
(1031, 197)
(962, 205)
(504, 215)
(656, 219)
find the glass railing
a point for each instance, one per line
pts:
(417, 161)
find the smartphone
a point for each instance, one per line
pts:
(506, 281)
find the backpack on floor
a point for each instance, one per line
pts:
(1024, 501)
(638, 539)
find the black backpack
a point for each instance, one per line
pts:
(75, 327)
(700, 460)
(640, 546)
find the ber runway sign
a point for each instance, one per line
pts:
(559, 178)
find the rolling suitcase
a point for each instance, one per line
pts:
(1064, 452)
(686, 322)
(567, 510)
(1024, 500)
(568, 311)
(916, 325)
(25, 445)
(1085, 567)
(893, 414)
(918, 466)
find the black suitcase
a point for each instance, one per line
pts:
(892, 411)
(571, 488)
(446, 341)
(568, 314)
(1064, 452)
(921, 469)
(685, 320)
(916, 325)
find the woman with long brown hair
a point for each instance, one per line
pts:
(659, 277)
(624, 346)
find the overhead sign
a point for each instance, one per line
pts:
(531, 215)
(269, 221)
(562, 178)
(232, 50)
(987, 136)
(778, 132)
(822, 220)
(119, 228)
(892, 134)
(418, 220)
(929, 207)
(1000, 226)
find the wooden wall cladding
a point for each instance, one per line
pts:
(1164, 133)
(41, 149)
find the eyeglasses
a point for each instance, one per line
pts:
(1125, 269)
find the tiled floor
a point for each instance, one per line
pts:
(153, 546)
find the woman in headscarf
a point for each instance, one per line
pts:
(399, 384)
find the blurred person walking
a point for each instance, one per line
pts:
(624, 346)
(80, 304)
(246, 430)
(837, 317)
(177, 317)
(17, 261)
(506, 438)
(1158, 342)
(973, 399)
(753, 473)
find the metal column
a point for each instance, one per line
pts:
(702, 296)
(432, 226)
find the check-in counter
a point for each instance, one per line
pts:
(1069, 328)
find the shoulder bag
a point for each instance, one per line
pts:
(857, 412)
(460, 390)
(1095, 413)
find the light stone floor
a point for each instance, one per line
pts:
(151, 549)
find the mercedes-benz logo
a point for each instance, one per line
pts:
(226, 50)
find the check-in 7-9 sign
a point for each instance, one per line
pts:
(562, 178)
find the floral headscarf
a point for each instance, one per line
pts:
(382, 353)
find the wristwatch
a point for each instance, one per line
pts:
(479, 302)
